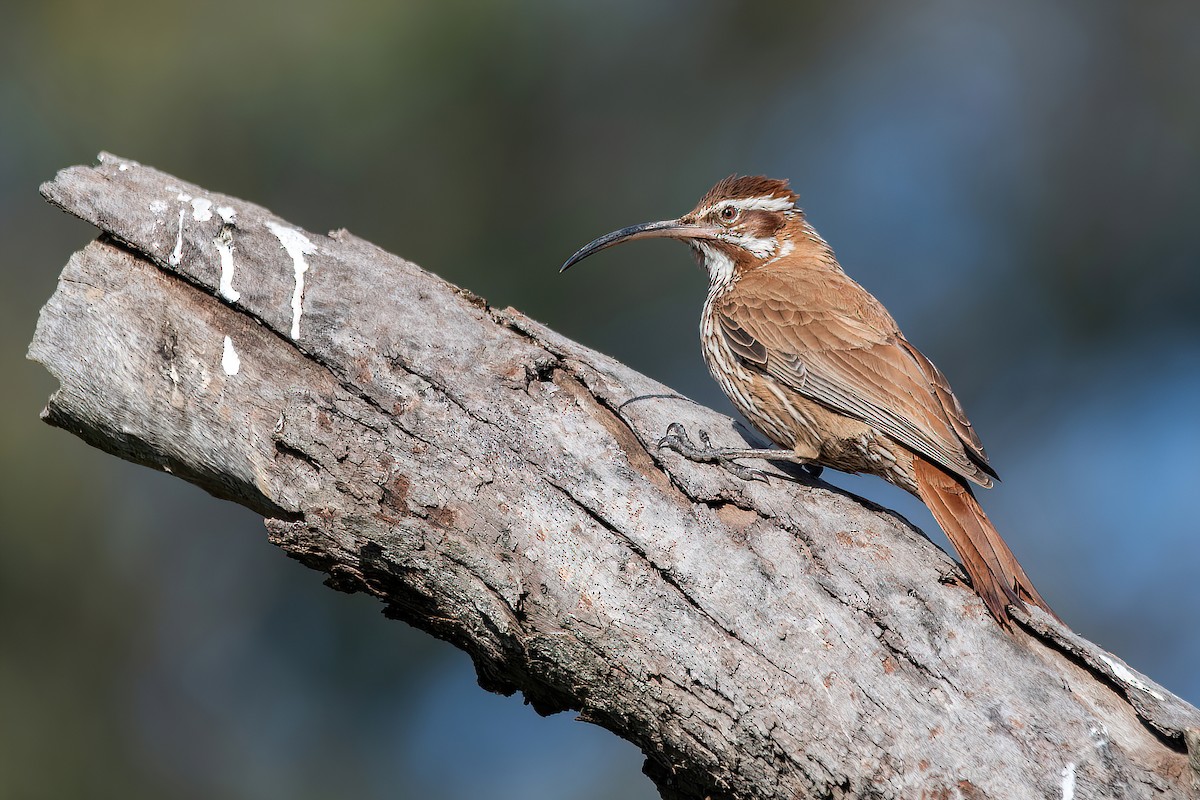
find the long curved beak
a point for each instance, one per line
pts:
(669, 229)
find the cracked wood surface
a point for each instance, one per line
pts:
(498, 485)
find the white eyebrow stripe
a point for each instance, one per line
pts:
(763, 203)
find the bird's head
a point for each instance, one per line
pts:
(740, 224)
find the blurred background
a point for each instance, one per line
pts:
(1018, 182)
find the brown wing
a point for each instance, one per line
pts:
(826, 337)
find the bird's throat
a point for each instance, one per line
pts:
(719, 263)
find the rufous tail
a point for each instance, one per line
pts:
(993, 569)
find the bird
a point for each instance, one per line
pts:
(819, 366)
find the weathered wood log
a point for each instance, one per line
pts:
(500, 487)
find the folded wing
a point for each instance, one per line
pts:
(828, 339)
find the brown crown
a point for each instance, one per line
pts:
(747, 186)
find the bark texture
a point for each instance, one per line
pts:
(499, 486)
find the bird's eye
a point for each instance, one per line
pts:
(729, 214)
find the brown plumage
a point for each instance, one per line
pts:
(819, 366)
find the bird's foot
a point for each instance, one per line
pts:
(677, 439)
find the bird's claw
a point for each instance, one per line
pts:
(675, 434)
(743, 472)
(677, 439)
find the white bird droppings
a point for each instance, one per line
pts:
(229, 358)
(1068, 781)
(228, 214)
(201, 209)
(297, 246)
(1122, 673)
(224, 245)
(177, 253)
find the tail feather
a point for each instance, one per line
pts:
(992, 567)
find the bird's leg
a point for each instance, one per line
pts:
(677, 439)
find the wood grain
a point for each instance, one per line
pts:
(498, 486)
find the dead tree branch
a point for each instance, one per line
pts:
(499, 486)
